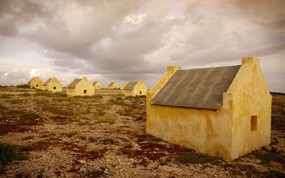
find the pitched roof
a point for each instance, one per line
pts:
(112, 83)
(74, 83)
(94, 83)
(130, 85)
(45, 84)
(197, 88)
(31, 80)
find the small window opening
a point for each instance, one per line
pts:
(85, 91)
(54, 88)
(253, 123)
(140, 92)
(37, 85)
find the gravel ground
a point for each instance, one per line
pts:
(104, 136)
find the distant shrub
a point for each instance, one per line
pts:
(16, 101)
(56, 110)
(23, 86)
(9, 153)
(25, 94)
(3, 107)
(117, 101)
(41, 93)
(5, 96)
(29, 115)
(23, 129)
(130, 97)
(60, 94)
(130, 111)
(98, 96)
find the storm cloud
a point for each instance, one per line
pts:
(131, 40)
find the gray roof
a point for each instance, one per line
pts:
(130, 85)
(94, 83)
(197, 88)
(74, 83)
(45, 84)
(112, 83)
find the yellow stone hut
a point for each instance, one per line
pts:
(137, 88)
(80, 87)
(222, 111)
(97, 85)
(36, 83)
(53, 85)
(113, 85)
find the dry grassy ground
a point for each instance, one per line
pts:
(52, 135)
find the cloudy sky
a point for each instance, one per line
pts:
(132, 39)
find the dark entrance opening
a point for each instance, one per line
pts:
(253, 123)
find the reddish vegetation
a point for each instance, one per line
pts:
(14, 126)
(93, 155)
(155, 151)
(41, 146)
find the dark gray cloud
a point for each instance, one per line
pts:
(121, 40)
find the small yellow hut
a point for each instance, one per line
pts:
(137, 88)
(80, 87)
(36, 83)
(53, 85)
(97, 85)
(113, 85)
(221, 111)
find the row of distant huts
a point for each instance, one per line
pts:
(83, 87)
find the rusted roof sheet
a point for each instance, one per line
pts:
(130, 85)
(74, 83)
(45, 84)
(197, 88)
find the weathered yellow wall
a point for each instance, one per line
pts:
(54, 83)
(114, 86)
(224, 133)
(36, 83)
(84, 84)
(251, 97)
(128, 92)
(98, 86)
